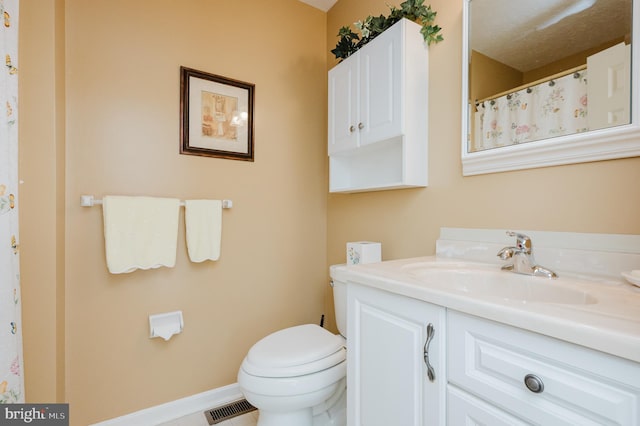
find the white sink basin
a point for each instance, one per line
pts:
(488, 281)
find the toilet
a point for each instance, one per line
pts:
(297, 376)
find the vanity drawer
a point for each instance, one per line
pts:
(465, 409)
(576, 385)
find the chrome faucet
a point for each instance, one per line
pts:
(522, 258)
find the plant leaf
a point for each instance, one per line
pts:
(371, 26)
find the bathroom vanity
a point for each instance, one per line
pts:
(452, 339)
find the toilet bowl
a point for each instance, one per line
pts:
(296, 376)
(288, 373)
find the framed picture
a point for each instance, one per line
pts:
(216, 116)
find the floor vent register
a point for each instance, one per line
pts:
(228, 411)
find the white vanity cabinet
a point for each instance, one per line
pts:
(387, 380)
(377, 118)
(504, 375)
(484, 372)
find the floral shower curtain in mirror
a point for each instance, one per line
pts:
(554, 108)
(11, 378)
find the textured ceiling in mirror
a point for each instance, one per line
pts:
(524, 34)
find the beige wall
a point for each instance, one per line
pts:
(42, 199)
(594, 197)
(488, 77)
(121, 102)
(99, 115)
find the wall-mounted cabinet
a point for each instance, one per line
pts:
(378, 97)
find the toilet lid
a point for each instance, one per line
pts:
(295, 351)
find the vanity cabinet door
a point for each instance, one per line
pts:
(539, 379)
(387, 377)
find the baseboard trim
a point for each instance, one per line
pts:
(178, 408)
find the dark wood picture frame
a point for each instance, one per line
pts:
(216, 116)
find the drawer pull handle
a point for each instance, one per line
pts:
(431, 373)
(533, 383)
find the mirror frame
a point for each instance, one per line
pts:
(614, 142)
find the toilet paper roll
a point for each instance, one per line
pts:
(165, 325)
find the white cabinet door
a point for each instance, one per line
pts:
(343, 106)
(380, 115)
(609, 89)
(365, 94)
(387, 377)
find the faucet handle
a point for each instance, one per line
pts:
(523, 242)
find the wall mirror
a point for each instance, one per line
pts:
(549, 82)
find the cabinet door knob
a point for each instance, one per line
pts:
(360, 126)
(352, 129)
(533, 383)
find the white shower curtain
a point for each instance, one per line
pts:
(11, 377)
(542, 111)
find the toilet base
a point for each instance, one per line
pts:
(332, 412)
(292, 418)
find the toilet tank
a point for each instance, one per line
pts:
(339, 300)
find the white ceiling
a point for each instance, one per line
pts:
(323, 5)
(525, 34)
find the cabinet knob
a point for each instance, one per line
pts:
(360, 126)
(533, 383)
(352, 129)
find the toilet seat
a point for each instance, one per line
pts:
(295, 351)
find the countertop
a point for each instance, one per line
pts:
(609, 323)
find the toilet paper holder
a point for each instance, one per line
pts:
(166, 324)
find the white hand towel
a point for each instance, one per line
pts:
(203, 220)
(140, 232)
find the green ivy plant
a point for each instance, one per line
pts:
(372, 26)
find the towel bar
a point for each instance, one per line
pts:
(90, 201)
